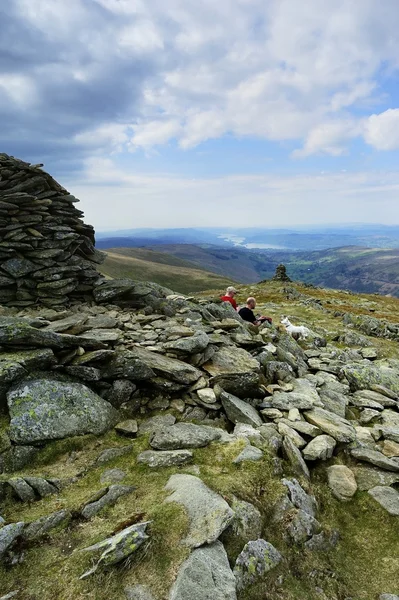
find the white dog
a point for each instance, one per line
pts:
(295, 330)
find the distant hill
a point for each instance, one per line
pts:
(368, 270)
(147, 265)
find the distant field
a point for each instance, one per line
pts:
(146, 265)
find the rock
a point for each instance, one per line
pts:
(256, 559)
(102, 335)
(205, 574)
(288, 400)
(129, 293)
(337, 427)
(294, 456)
(239, 411)
(231, 360)
(286, 430)
(389, 597)
(183, 435)
(334, 401)
(125, 364)
(390, 449)
(342, 482)
(362, 377)
(128, 428)
(42, 526)
(41, 486)
(47, 409)
(271, 437)
(369, 477)
(207, 395)
(387, 497)
(112, 476)
(320, 448)
(375, 458)
(109, 497)
(390, 433)
(165, 458)
(246, 524)
(118, 547)
(138, 592)
(16, 458)
(113, 453)
(302, 526)
(122, 389)
(249, 453)
(321, 542)
(152, 424)
(302, 427)
(189, 345)
(8, 535)
(242, 385)
(208, 513)
(299, 498)
(170, 368)
(22, 489)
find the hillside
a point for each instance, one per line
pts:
(143, 264)
(208, 459)
(365, 270)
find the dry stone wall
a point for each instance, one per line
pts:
(47, 252)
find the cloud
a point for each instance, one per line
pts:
(157, 200)
(190, 71)
(382, 131)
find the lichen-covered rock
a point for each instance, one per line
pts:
(165, 458)
(256, 559)
(47, 409)
(246, 524)
(183, 435)
(337, 427)
(43, 525)
(320, 448)
(375, 458)
(362, 377)
(209, 515)
(231, 360)
(118, 547)
(204, 575)
(239, 411)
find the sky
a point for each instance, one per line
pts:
(188, 113)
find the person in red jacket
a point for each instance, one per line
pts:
(229, 296)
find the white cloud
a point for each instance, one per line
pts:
(382, 131)
(113, 198)
(329, 138)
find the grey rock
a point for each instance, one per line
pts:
(121, 391)
(271, 437)
(388, 597)
(342, 482)
(16, 458)
(231, 360)
(375, 458)
(112, 476)
(42, 526)
(183, 435)
(110, 497)
(334, 401)
(10, 595)
(294, 456)
(390, 433)
(165, 458)
(362, 377)
(204, 575)
(334, 425)
(320, 448)
(22, 489)
(47, 409)
(128, 428)
(208, 513)
(242, 385)
(8, 535)
(125, 364)
(152, 424)
(254, 562)
(288, 400)
(113, 453)
(170, 368)
(387, 497)
(189, 345)
(368, 477)
(239, 411)
(118, 547)
(41, 486)
(302, 527)
(102, 335)
(286, 430)
(249, 453)
(322, 542)
(299, 498)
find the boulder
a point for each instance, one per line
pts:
(246, 524)
(205, 574)
(254, 562)
(47, 408)
(320, 448)
(239, 411)
(375, 458)
(387, 497)
(368, 477)
(231, 360)
(294, 456)
(165, 458)
(8, 535)
(342, 482)
(335, 426)
(170, 368)
(209, 515)
(183, 435)
(363, 377)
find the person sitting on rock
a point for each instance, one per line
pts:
(247, 313)
(229, 296)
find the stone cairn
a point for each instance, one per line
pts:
(46, 250)
(281, 274)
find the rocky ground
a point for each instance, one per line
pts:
(158, 447)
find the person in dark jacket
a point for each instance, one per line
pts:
(247, 313)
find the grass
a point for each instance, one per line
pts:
(169, 271)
